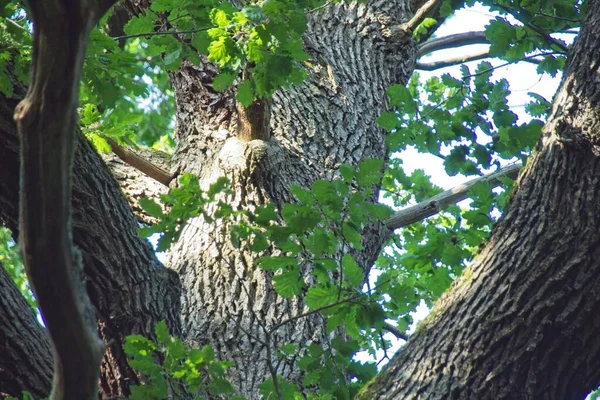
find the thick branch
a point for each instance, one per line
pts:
(134, 184)
(452, 41)
(45, 119)
(443, 200)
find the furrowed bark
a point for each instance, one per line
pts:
(521, 322)
(228, 301)
(25, 352)
(130, 290)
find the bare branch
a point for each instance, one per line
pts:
(140, 163)
(431, 66)
(395, 331)
(452, 41)
(441, 201)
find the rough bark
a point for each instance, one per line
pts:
(522, 321)
(25, 353)
(130, 290)
(326, 121)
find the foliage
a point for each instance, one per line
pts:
(10, 260)
(169, 366)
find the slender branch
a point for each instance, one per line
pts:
(452, 41)
(159, 33)
(420, 15)
(443, 200)
(136, 161)
(395, 331)
(434, 65)
(431, 66)
(534, 28)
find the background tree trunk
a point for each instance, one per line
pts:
(521, 323)
(228, 301)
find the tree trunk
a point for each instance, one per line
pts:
(228, 301)
(521, 323)
(129, 288)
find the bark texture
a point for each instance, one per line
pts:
(522, 321)
(130, 290)
(329, 120)
(25, 353)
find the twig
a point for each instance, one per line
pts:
(431, 66)
(441, 201)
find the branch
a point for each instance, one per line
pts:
(534, 28)
(159, 33)
(452, 41)
(46, 122)
(395, 331)
(141, 164)
(441, 201)
(431, 66)
(420, 15)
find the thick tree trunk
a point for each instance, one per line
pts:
(129, 288)
(521, 323)
(228, 301)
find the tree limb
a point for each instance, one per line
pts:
(45, 119)
(140, 163)
(441, 201)
(395, 331)
(433, 65)
(134, 184)
(423, 12)
(452, 41)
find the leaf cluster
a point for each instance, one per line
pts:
(172, 369)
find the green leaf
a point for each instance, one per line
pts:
(388, 121)
(288, 284)
(320, 296)
(290, 349)
(151, 207)
(273, 263)
(245, 93)
(140, 24)
(223, 81)
(162, 332)
(352, 272)
(219, 51)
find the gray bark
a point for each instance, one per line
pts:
(521, 323)
(329, 120)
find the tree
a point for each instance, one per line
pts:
(517, 324)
